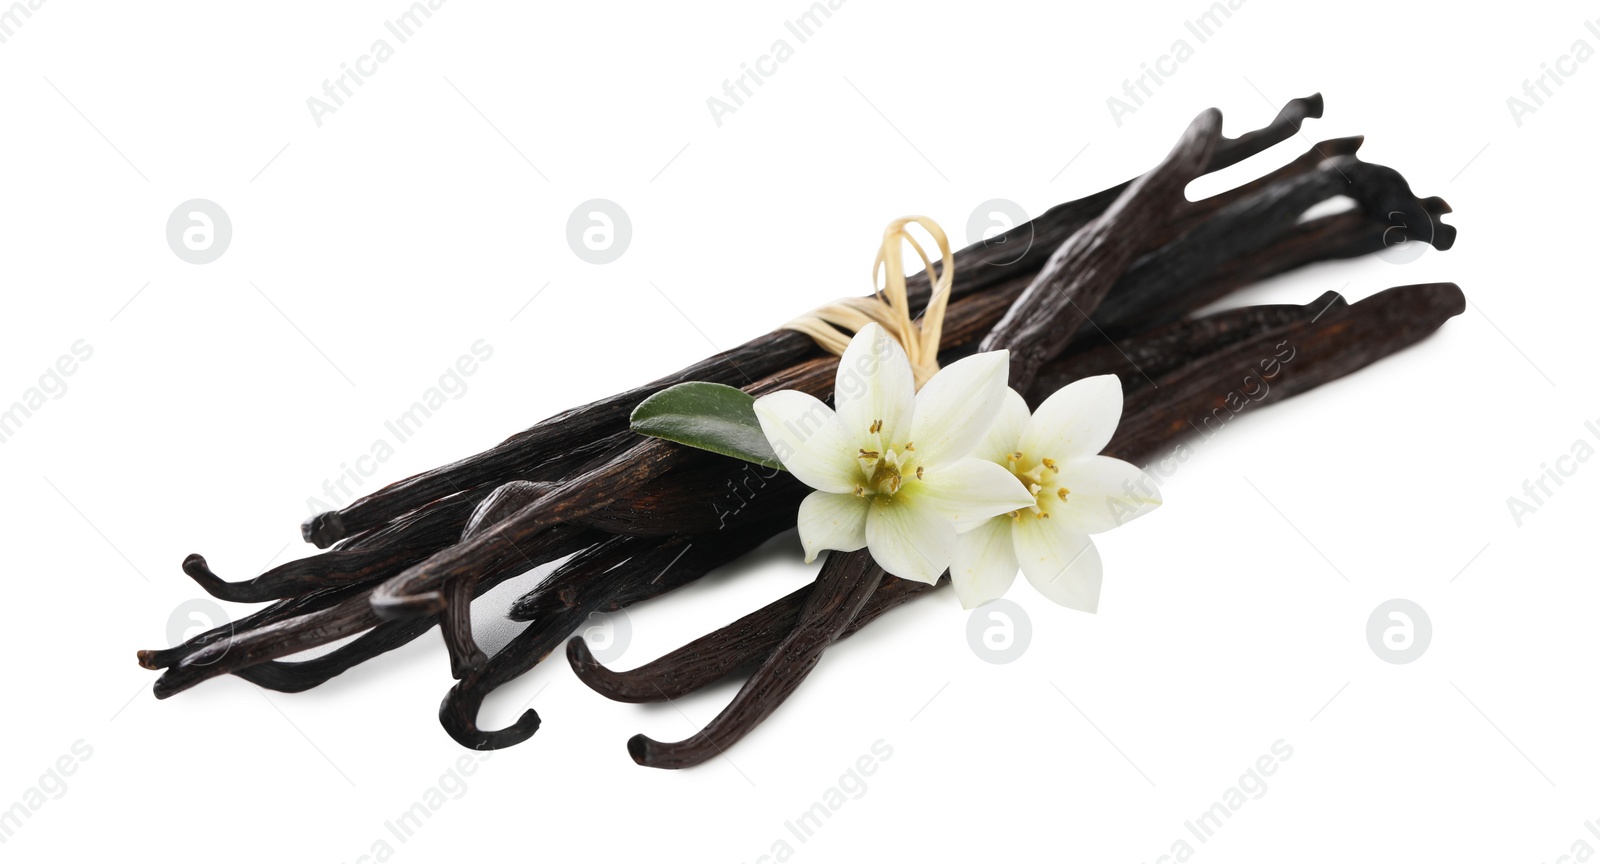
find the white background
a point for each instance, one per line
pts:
(429, 212)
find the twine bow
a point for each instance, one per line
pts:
(833, 325)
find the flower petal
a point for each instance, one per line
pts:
(809, 440)
(1010, 420)
(970, 491)
(957, 406)
(909, 539)
(1076, 420)
(1102, 493)
(874, 383)
(1061, 563)
(832, 521)
(985, 563)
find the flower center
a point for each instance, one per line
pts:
(1041, 479)
(885, 468)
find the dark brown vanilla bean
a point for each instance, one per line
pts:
(350, 615)
(418, 590)
(1341, 340)
(1190, 217)
(267, 642)
(1145, 299)
(1153, 354)
(1251, 233)
(455, 618)
(1167, 283)
(1081, 272)
(698, 498)
(455, 625)
(458, 713)
(413, 538)
(331, 577)
(1302, 356)
(1350, 234)
(841, 589)
(297, 676)
(722, 652)
(325, 579)
(597, 580)
(293, 676)
(289, 607)
(996, 260)
(983, 265)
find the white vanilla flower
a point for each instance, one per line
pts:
(1074, 492)
(891, 466)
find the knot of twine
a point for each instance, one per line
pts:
(833, 325)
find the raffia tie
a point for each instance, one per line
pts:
(833, 325)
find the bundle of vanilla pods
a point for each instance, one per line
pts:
(1106, 284)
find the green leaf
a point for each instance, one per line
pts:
(709, 416)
